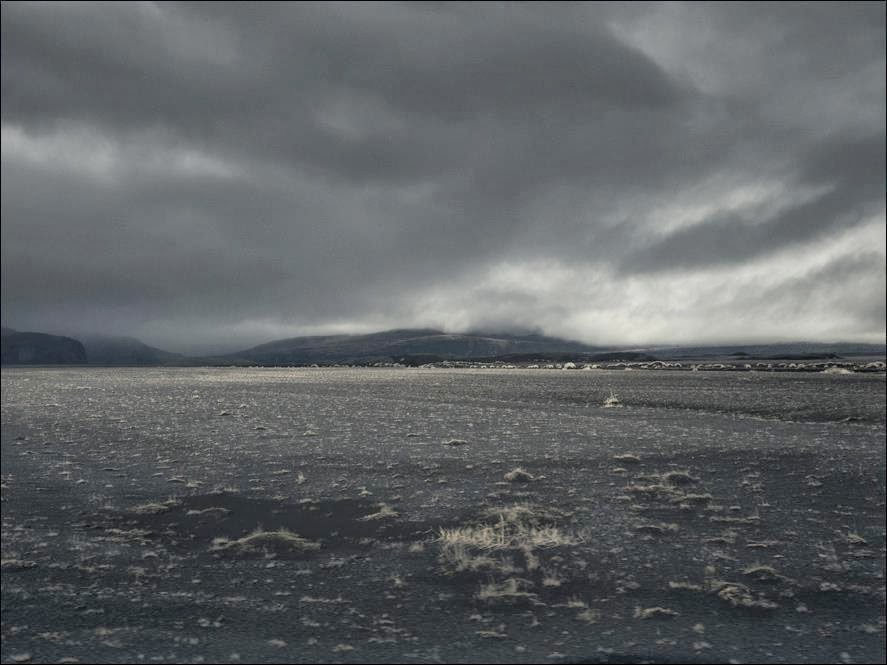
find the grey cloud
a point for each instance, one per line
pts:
(345, 164)
(851, 169)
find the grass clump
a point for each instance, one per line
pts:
(856, 540)
(612, 401)
(679, 478)
(212, 510)
(513, 588)
(14, 565)
(589, 616)
(518, 475)
(261, 539)
(656, 529)
(763, 573)
(385, 512)
(460, 559)
(519, 529)
(739, 595)
(155, 507)
(654, 613)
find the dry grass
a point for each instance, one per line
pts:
(385, 512)
(656, 529)
(752, 519)
(726, 538)
(739, 595)
(155, 508)
(260, 539)
(520, 529)
(679, 478)
(698, 499)
(589, 616)
(460, 560)
(504, 535)
(856, 539)
(513, 588)
(13, 565)
(212, 510)
(518, 475)
(611, 401)
(654, 613)
(763, 573)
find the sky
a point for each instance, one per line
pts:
(211, 176)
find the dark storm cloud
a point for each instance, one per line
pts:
(211, 173)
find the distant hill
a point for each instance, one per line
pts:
(103, 350)
(782, 351)
(31, 348)
(393, 345)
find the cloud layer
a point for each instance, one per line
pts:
(214, 175)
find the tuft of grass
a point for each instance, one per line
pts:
(212, 510)
(589, 616)
(513, 588)
(684, 586)
(856, 539)
(654, 613)
(260, 539)
(679, 478)
(656, 529)
(15, 565)
(460, 560)
(504, 535)
(385, 512)
(698, 499)
(518, 475)
(155, 507)
(728, 538)
(762, 544)
(552, 581)
(611, 401)
(751, 519)
(519, 529)
(763, 573)
(739, 595)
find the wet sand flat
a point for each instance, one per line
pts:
(394, 515)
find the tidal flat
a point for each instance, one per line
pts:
(444, 515)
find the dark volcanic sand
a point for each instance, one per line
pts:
(783, 471)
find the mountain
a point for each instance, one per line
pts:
(397, 345)
(31, 348)
(103, 350)
(781, 351)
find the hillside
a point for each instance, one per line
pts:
(394, 345)
(30, 348)
(102, 350)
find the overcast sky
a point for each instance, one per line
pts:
(209, 176)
